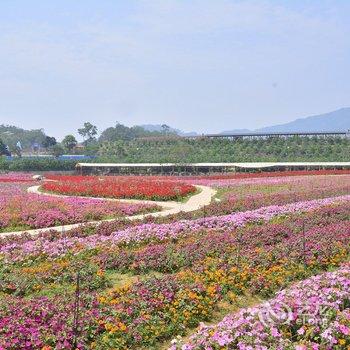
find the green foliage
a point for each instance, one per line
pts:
(69, 142)
(49, 142)
(36, 164)
(11, 135)
(88, 132)
(3, 149)
(14, 149)
(172, 149)
(91, 148)
(56, 150)
(125, 133)
(125, 148)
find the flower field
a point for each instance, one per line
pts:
(16, 177)
(20, 210)
(239, 176)
(253, 193)
(313, 314)
(153, 232)
(138, 187)
(272, 272)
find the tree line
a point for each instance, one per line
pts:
(121, 143)
(272, 149)
(15, 141)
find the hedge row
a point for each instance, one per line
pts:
(35, 164)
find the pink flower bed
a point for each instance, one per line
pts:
(250, 194)
(157, 232)
(265, 174)
(262, 181)
(16, 177)
(240, 182)
(313, 314)
(22, 210)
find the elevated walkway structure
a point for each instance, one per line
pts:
(259, 135)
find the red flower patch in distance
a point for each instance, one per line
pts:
(136, 187)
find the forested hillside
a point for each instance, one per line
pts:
(224, 150)
(10, 135)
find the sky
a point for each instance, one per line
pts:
(202, 65)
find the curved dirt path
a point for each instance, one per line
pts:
(195, 202)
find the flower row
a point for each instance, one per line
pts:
(313, 314)
(271, 174)
(17, 251)
(140, 314)
(253, 260)
(240, 195)
(16, 177)
(327, 234)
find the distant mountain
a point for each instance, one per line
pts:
(158, 127)
(235, 131)
(338, 120)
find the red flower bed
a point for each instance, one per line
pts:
(138, 187)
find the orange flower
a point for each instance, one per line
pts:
(100, 273)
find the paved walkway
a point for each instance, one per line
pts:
(195, 202)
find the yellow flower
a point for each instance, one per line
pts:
(108, 326)
(122, 326)
(102, 299)
(211, 290)
(192, 295)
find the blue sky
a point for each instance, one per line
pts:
(204, 65)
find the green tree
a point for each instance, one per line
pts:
(14, 149)
(56, 150)
(88, 132)
(122, 132)
(12, 134)
(165, 129)
(69, 142)
(49, 142)
(3, 149)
